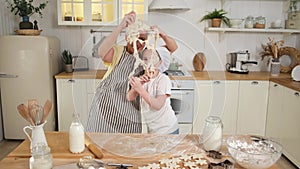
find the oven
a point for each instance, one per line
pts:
(182, 102)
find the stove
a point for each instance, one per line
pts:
(174, 73)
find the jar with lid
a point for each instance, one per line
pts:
(41, 157)
(76, 135)
(249, 21)
(212, 133)
(260, 22)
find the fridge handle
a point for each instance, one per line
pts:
(5, 75)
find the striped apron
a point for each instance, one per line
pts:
(110, 111)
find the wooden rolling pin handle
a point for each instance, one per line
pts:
(95, 150)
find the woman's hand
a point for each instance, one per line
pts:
(160, 31)
(128, 19)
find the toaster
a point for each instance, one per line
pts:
(80, 63)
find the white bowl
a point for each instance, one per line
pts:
(236, 23)
(254, 152)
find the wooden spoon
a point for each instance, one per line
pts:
(46, 110)
(23, 111)
(33, 109)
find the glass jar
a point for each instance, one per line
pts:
(249, 22)
(76, 135)
(41, 157)
(260, 22)
(212, 133)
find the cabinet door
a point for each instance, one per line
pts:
(185, 128)
(139, 6)
(98, 12)
(273, 127)
(71, 97)
(217, 98)
(252, 107)
(71, 12)
(289, 124)
(92, 85)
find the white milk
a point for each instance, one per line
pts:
(212, 133)
(76, 138)
(214, 142)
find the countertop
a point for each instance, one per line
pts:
(136, 149)
(283, 79)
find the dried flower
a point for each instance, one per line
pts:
(272, 48)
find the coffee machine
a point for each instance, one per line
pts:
(238, 62)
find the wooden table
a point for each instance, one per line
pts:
(136, 149)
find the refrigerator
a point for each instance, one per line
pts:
(27, 68)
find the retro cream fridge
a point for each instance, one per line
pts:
(27, 68)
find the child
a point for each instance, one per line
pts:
(155, 94)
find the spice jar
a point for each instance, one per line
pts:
(212, 133)
(260, 22)
(41, 157)
(249, 22)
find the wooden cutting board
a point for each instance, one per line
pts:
(57, 141)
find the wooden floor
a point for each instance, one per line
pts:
(6, 146)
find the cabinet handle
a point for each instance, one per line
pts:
(254, 83)
(217, 82)
(275, 85)
(296, 94)
(71, 81)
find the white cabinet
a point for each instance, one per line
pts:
(183, 128)
(71, 97)
(92, 85)
(289, 125)
(283, 120)
(98, 12)
(252, 107)
(274, 112)
(218, 98)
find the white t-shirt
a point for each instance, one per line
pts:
(161, 121)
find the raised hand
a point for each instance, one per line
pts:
(128, 19)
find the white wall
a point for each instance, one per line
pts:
(182, 25)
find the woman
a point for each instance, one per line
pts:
(110, 111)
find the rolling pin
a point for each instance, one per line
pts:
(93, 147)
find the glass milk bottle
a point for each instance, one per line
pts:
(212, 133)
(40, 157)
(76, 135)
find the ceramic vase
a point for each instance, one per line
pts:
(25, 24)
(275, 68)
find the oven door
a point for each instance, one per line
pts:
(182, 102)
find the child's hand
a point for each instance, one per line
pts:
(136, 84)
(144, 78)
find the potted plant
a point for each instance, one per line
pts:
(67, 58)
(293, 5)
(216, 17)
(25, 8)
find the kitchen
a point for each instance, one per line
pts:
(215, 45)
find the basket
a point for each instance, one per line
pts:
(28, 32)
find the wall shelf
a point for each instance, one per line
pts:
(253, 30)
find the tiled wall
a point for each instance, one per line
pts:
(182, 25)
